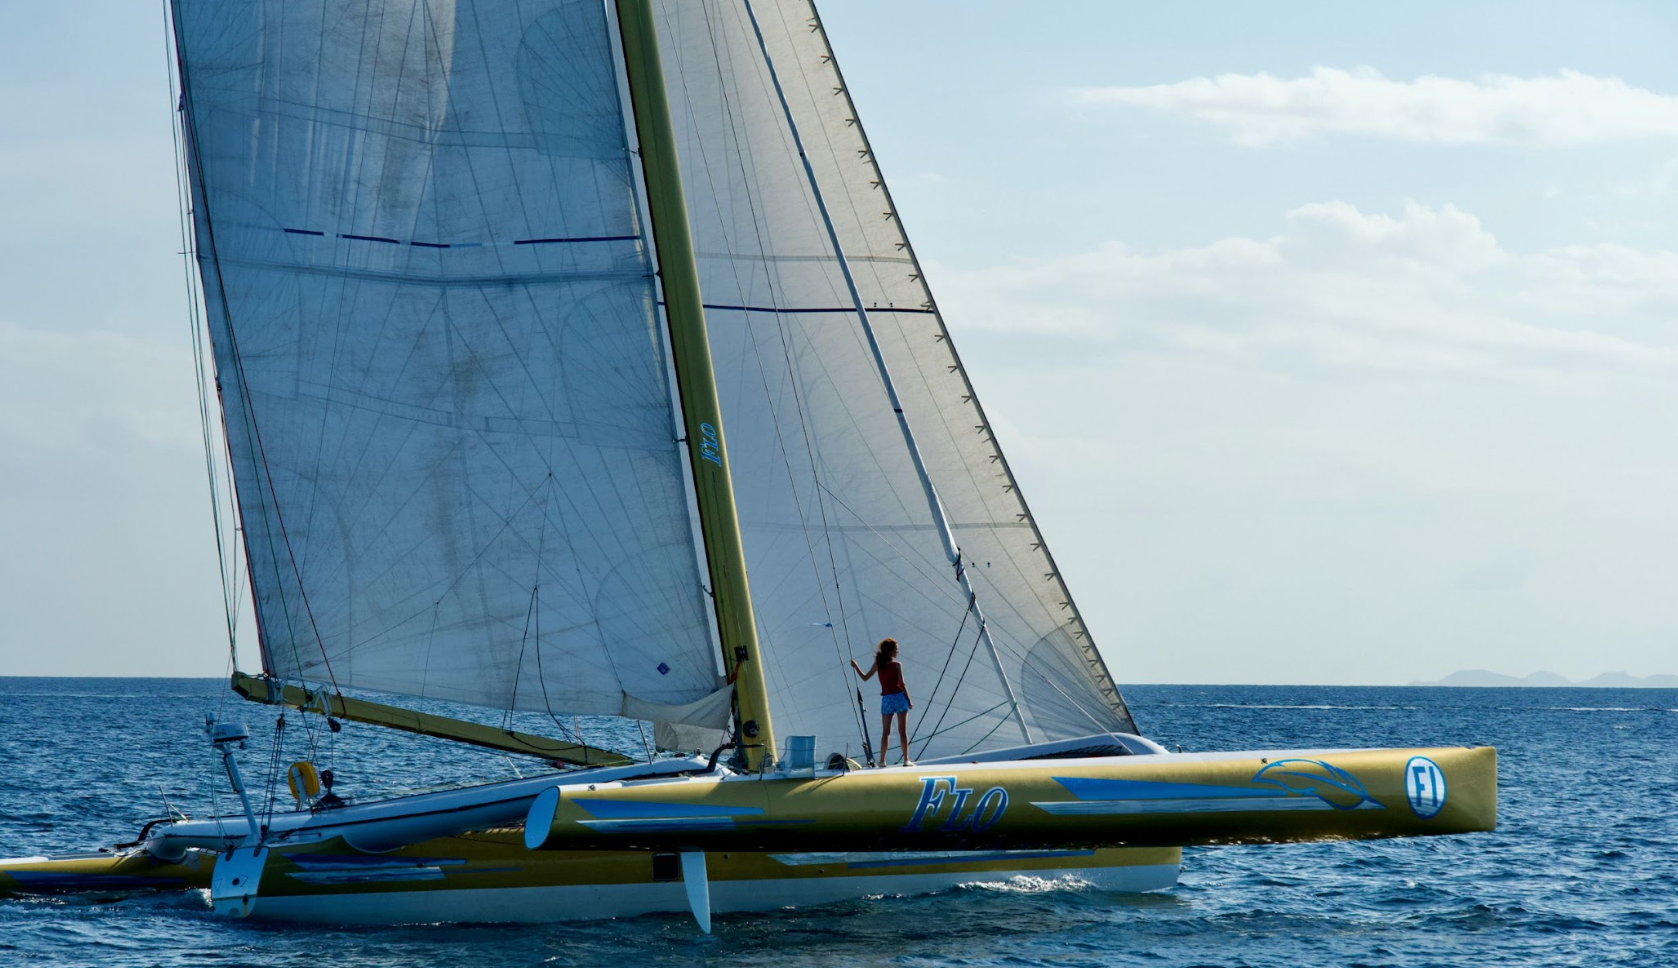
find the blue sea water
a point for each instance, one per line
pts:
(1583, 869)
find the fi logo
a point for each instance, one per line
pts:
(1424, 786)
(937, 792)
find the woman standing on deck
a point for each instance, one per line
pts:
(894, 696)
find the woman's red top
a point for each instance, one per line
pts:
(891, 677)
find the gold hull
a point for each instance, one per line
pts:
(104, 872)
(1142, 801)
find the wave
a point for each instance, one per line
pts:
(1608, 709)
(1261, 705)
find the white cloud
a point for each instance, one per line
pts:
(1370, 444)
(1427, 292)
(1566, 109)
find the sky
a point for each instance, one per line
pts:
(1330, 343)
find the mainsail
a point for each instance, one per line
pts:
(840, 541)
(436, 339)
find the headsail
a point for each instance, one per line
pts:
(840, 543)
(435, 332)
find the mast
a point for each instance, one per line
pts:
(940, 520)
(695, 381)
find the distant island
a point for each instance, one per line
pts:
(1608, 680)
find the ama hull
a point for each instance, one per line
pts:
(99, 872)
(491, 877)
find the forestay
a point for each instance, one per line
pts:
(437, 347)
(840, 541)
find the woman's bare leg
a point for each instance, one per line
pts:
(903, 734)
(885, 737)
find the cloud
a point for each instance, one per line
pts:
(1428, 292)
(1566, 109)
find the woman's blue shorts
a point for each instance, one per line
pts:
(894, 702)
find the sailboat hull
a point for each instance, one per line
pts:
(491, 877)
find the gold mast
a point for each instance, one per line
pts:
(695, 382)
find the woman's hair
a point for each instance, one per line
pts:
(885, 650)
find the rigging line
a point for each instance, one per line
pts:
(988, 734)
(311, 728)
(939, 682)
(518, 665)
(536, 618)
(248, 405)
(227, 551)
(535, 591)
(781, 324)
(199, 363)
(951, 550)
(270, 786)
(1027, 665)
(430, 643)
(889, 539)
(645, 746)
(466, 570)
(953, 692)
(862, 715)
(978, 715)
(798, 395)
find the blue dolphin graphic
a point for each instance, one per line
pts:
(1330, 784)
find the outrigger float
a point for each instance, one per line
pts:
(480, 287)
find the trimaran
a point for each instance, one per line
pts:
(483, 282)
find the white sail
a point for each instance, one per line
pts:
(437, 347)
(841, 543)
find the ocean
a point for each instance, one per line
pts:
(1583, 869)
